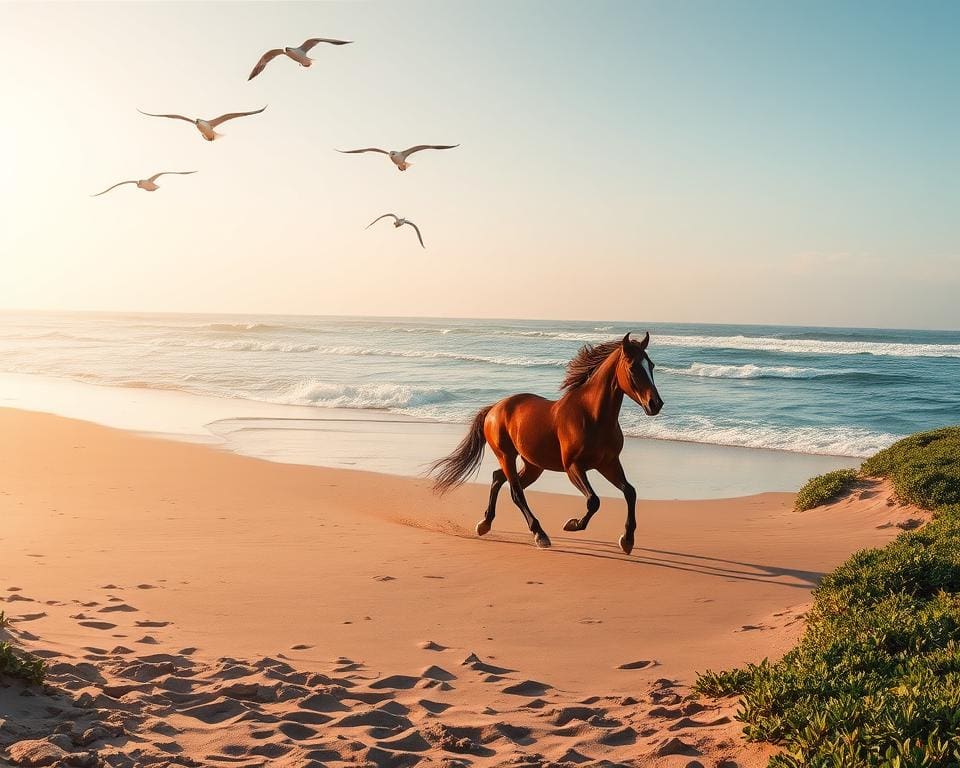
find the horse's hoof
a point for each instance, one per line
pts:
(483, 527)
(626, 545)
(573, 524)
(542, 540)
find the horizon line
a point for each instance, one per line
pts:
(14, 310)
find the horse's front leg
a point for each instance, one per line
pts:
(614, 473)
(578, 476)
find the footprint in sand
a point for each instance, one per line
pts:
(296, 731)
(429, 645)
(434, 577)
(110, 586)
(98, 624)
(675, 746)
(688, 722)
(384, 578)
(121, 608)
(151, 623)
(396, 682)
(29, 617)
(300, 647)
(14, 589)
(437, 673)
(528, 688)
(641, 664)
(591, 621)
(147, 640)
(147, 586)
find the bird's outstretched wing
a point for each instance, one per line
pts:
(263, 62)
(419, 236)
(367, 149)
(308, 44)
(230, 115)
(164, 173)
(407, 152)
(175, 117)
(118, 184)
(395, 217)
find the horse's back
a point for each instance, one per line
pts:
(524, 422)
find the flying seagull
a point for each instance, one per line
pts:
(148, 184)
(206, 127)
(298, 54)
(399, 159)
(398, 222)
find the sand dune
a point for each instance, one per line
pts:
(200, 608)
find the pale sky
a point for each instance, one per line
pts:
(768, 162)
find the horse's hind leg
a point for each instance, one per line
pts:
(578, 477)
(508, 462)
(614, 473)
(528, 474)
(499, 478)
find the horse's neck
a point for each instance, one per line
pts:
(602, 395)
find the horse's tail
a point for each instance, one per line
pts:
(453, 470)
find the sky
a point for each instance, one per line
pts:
(744, 162)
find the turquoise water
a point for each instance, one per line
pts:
(841, 391)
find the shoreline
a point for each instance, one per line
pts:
(400, 445)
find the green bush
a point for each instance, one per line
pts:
(823, 488)
(924, 468)
(875, 679)
(726, 683)
(24, 667)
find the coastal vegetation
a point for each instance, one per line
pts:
(21, 666)
(824, 488)
(875, 679)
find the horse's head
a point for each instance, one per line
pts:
(635, 375)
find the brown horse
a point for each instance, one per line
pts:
(579, 432)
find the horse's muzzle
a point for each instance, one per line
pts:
(654, 406)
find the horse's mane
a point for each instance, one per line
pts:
(586, 361)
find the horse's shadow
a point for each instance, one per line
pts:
(702, 564)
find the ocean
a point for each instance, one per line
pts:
(832, 391)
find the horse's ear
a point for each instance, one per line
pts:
(646, 340)
(626, 340)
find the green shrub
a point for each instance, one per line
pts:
(24, 667)
(924, 468)
(824, 488)
(875, 679)
(726, 683)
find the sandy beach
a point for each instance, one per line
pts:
(211, 608)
